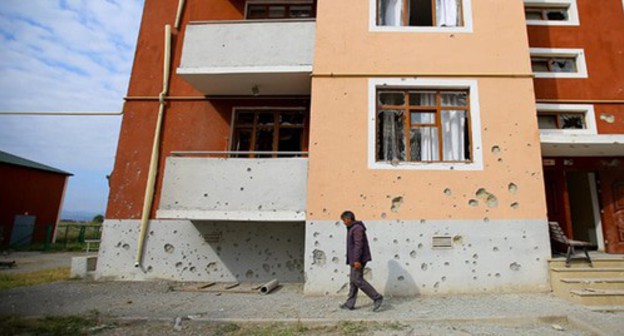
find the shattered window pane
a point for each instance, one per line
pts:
(533, 14)
(292, 119)
(245, 119)
(422, 98)
(547, 121)
(266, 119)
(391, 136)
(290, 139)
(572, 121)
(392, 98)
(453, 99)
(562, 65)
(557, 15)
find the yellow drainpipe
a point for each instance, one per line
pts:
(153, 168)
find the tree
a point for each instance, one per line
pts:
(98, 219)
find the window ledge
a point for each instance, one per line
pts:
(459, 166)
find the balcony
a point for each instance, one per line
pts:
(249, 57)
(234, 189)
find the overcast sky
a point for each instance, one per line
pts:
(67, 56)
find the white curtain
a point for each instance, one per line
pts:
(392, 11)
(447, 12)
(454, 135)
(392, 136)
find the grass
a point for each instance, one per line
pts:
(12, 280)
(50, 325)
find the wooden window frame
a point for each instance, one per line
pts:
(276, 127)
(405, 16)
(407, 110)
(286, 4)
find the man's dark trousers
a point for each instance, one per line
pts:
(356, 279)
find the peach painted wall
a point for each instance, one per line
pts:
(339, 176)
(498, 43)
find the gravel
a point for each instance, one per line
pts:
(503, 314)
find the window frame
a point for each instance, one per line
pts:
(473, 120)
(286, 3)
(466, 17)
(556, 109)
(276, 110)
(577, 54)
(570, 5)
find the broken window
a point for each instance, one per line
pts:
(419, 13)
(553, 64)
(270, 130)
(552, 13)
(567, 120)
(423, 125)
(281, 10)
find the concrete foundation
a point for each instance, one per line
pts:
(183, 250)
(492, 256)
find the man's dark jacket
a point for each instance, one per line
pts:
(357, 244)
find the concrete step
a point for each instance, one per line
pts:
(558, 273)
(597, 262)
(563, 287)
(607, 309)
(598, 297)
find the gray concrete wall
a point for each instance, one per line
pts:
(493, 256)
(179, 250)
(212, 46)
(234, 189)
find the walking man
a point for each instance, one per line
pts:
(358, 254)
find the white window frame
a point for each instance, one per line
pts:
(277, 2)
(578, 54)
(466, 19)
(587, 110)
(573, 16)
(432, 83)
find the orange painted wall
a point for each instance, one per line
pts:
(339, 127)
(601, 35)
(187, 125)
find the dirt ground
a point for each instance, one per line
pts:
(156, 308)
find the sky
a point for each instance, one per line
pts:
(67, 56)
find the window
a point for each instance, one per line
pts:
(551, 12)
(423, 125)
(269, 130)
(553, 64)
(558, 63)
(561, 120)
(419, 13)
(566, 119)
(279, 10)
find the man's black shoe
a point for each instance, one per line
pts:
(344, 306)
(377, 304)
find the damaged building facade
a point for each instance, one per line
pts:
(249, 126)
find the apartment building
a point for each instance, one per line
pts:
(249, 126)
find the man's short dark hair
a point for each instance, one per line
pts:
(348, 214)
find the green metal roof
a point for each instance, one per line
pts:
(18, 161)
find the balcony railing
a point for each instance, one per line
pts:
(199, 186)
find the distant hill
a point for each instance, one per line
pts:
(79, 215)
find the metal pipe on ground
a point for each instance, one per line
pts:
(269, 286)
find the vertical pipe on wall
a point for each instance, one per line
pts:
(153, 167)
(179, 14)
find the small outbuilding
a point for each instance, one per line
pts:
(31, 197)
